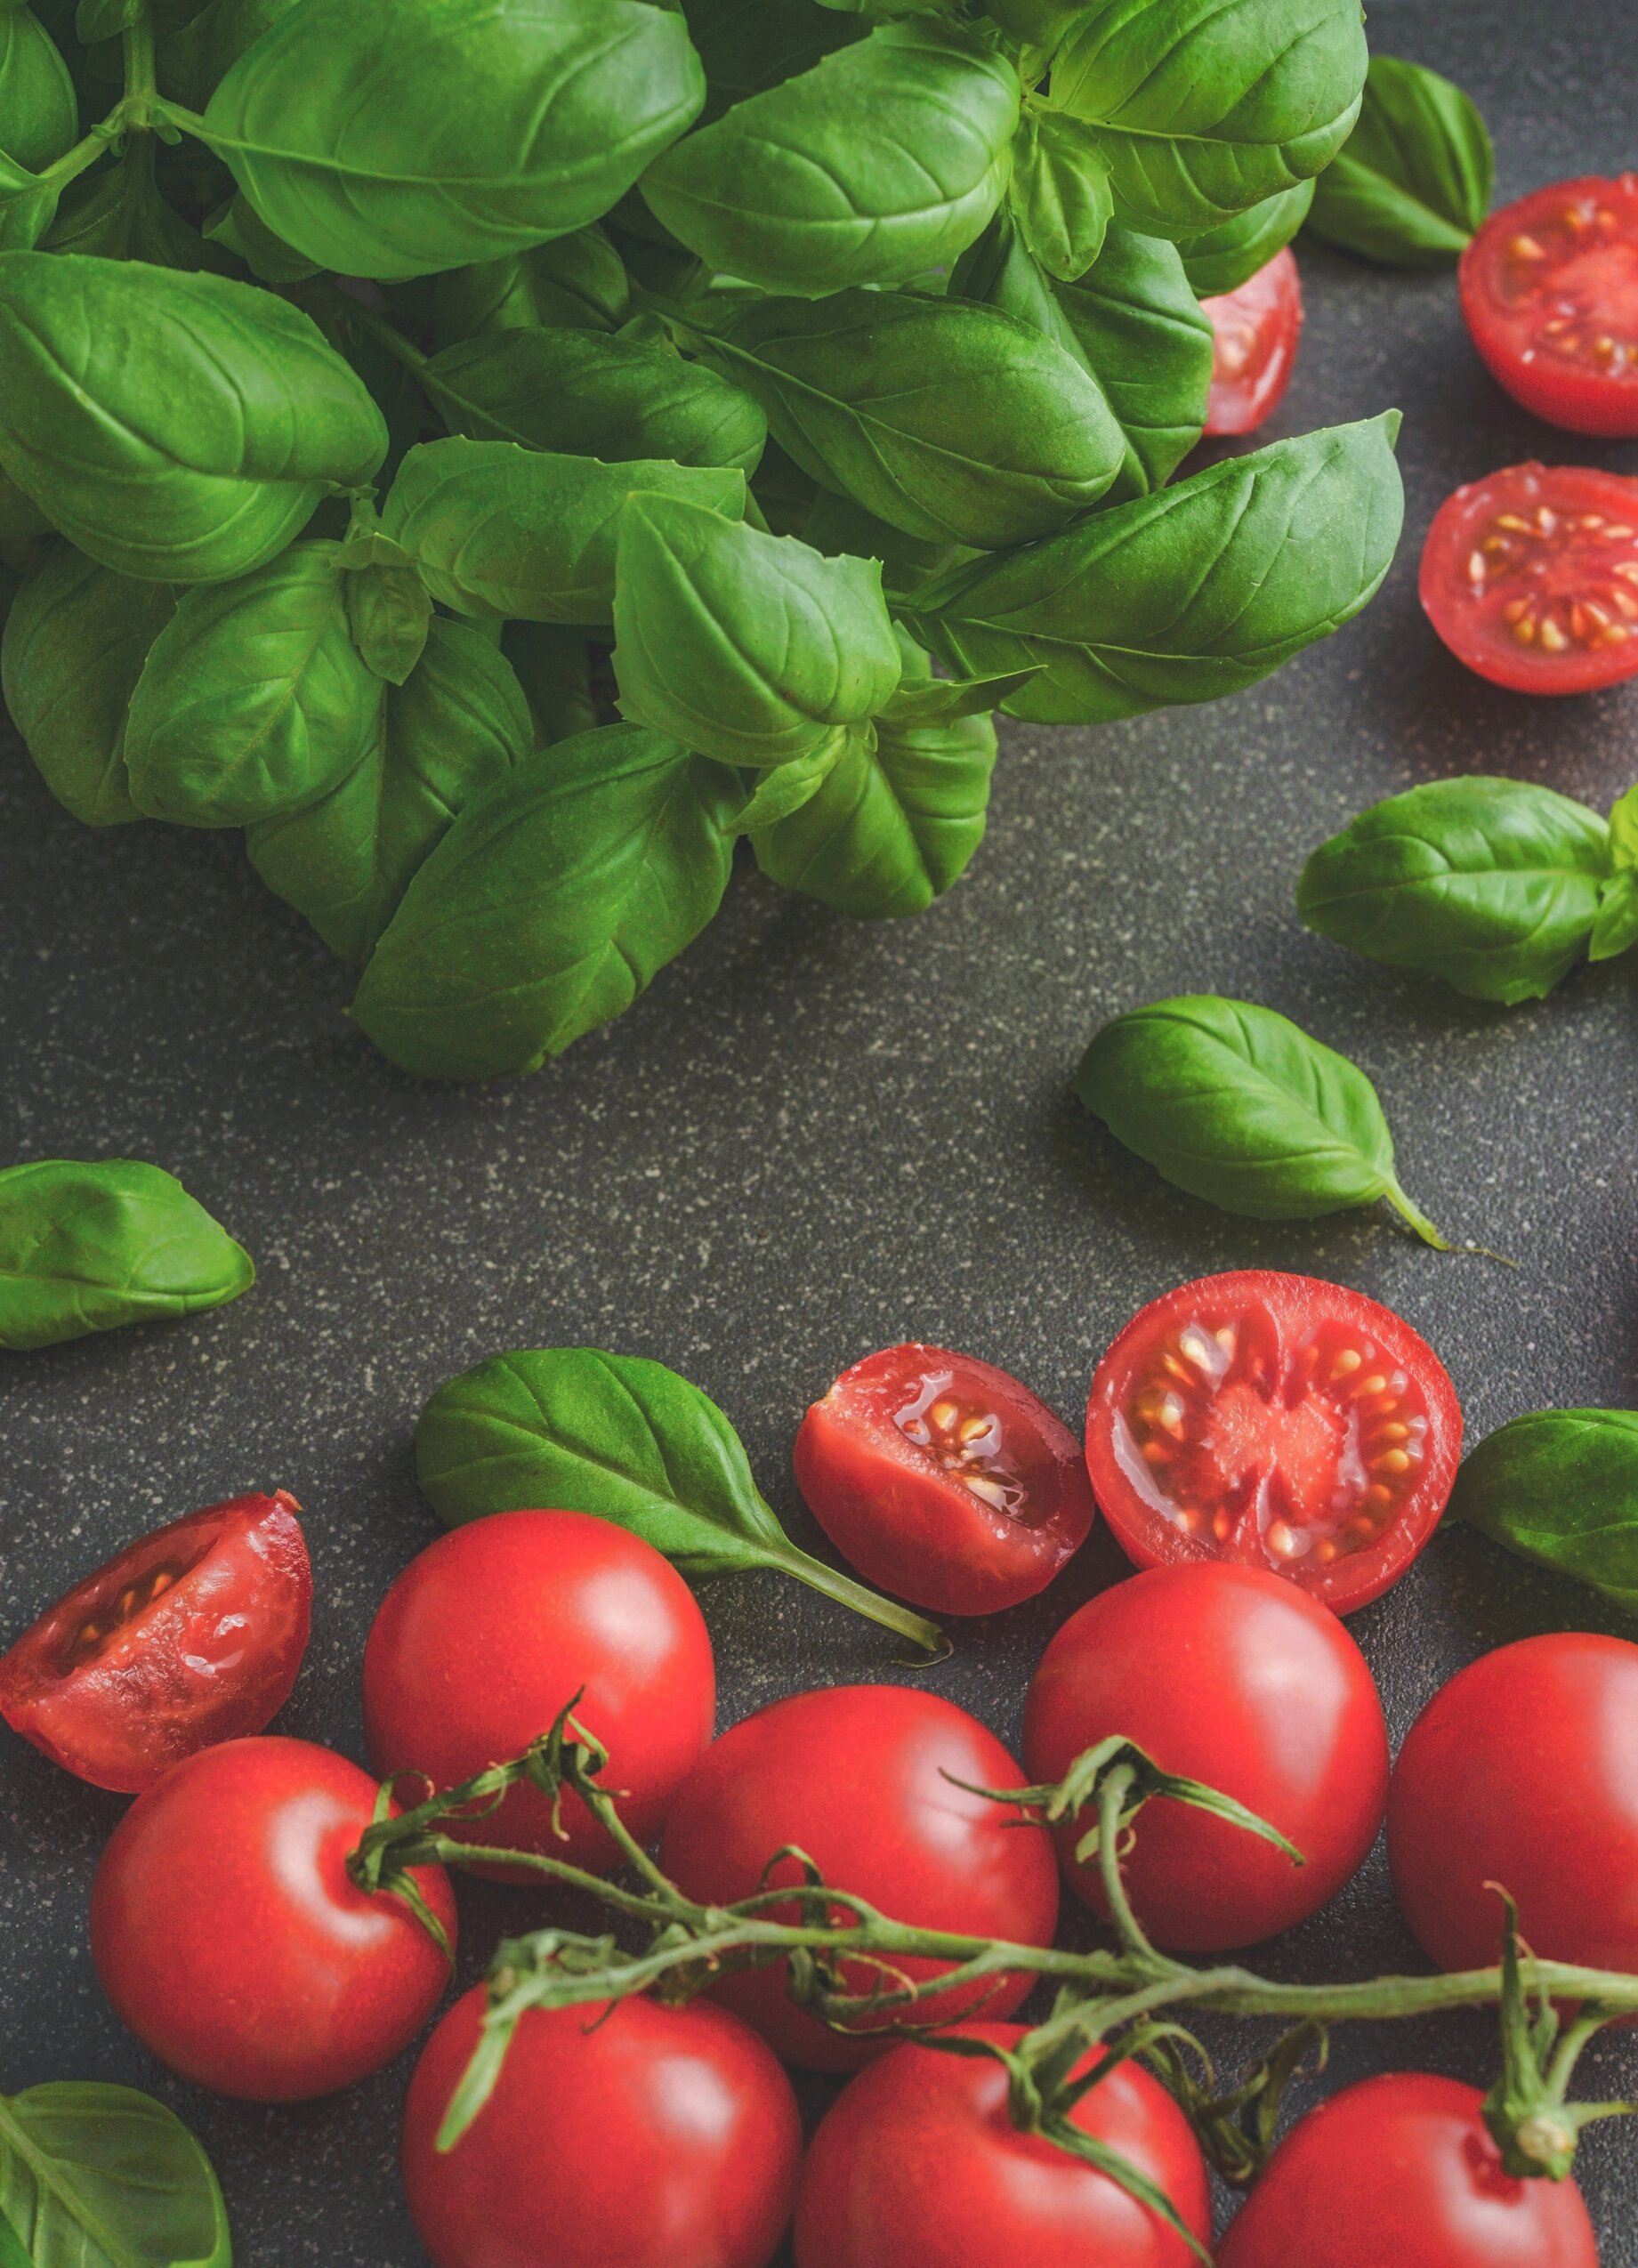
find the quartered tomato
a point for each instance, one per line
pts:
(1276, 1421)
(1531, 576)
(190, 1635)
(1549, 291)
(943, 1480)
(1255, 334)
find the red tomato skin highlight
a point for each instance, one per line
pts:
(1236, 1678)
(211, 1657)
(853, 1775)
(1402, 2169)
(495, 1628)
(230, 1937)
(913, 1528)
(1597, 296)
(688, 2151)
(918, 2163)
(1255, 333)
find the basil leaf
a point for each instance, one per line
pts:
(1415, 178)
(553, 667)
(86, 1248)
(1060, 191)
(835, 524)
(19, 516)
(628, 1440)
(95, 19)
(39, 117)
(549, 905)
(239, 229)
(1615, 927)
(1624, 830)
(1238, 1105)
(104, 2177)
(1036, 23)
(1220, 260)
(748, 45)
(27, 207)
(389, 614)
(119, 213)
(193, 59)
(1561, 1488)
(576, 282)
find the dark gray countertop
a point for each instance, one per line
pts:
(813, 1137)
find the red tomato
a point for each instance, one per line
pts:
(1531, 576)
(855, 1775)
(1233, 1677)
(1254, 346)
(191, 1634)
(917, 2163)
(1275, 1422)
(1402, 2169)
(943, 1480)
(230, 1938)
(654, 2138)
(486, 1635)
(1549, 291)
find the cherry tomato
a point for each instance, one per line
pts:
(230, 1938)
(651, 2138)
(943, 1480)
(856, 1776)
(1233, 1677)
(1549, 291)
(1402, 2168)
(1531, 576)
(493, 1628)
(191, 1634)
(1274, 1422)
(918, 2162)
(1521, 1772)
(1254, 346)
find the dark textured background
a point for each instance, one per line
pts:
(813, 1137)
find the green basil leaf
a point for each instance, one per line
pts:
(930, 701)
(1238, 1105)
(498, 124)
(104, 2177)
(1060, 191)
(27, 207)
(553, 667)
(1413, 180)
(119, 214)
(12, 2252)
(1220, 260)
(1035, 23)
(19, 516)
(1624, 830)
(74, 643)
(785, 788)
(833, 525)
(549, 905)
(193, 59)
(39, 116)
(239, 229)
(95, 19)
(389, 612)
(1615, 929)
(576, 282)
(784, 190)
(748, 45)
(85, 1248)
(1561, 1488)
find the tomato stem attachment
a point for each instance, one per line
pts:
(1530, 2121)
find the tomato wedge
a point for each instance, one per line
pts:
(190, 1635)
(1275, 1422)
(1550, 292)
(1254, 335)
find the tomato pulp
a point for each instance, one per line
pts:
(1254, 332)
(1550, 292)
(1275, 1422)
(193, 1634)
(943, 1480)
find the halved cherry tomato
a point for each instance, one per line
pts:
(1255, 333)
(1276, 1421)
(1549, 291)
(190, 1635)
(1531, 576)
(943, 1480)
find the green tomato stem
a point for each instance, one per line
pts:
(863, 1601)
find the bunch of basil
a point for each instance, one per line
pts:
(794, 350)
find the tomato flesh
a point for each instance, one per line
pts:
(944, 1479)
(1549, 291)
(1254, 332)
(1275, 1422)
(190, 1635)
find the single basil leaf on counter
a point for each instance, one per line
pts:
(576, 282)
(1060, 191)
(1413, 180)
(1224, 258)
(553, 667)
(1238, 1105)
(39, 116)
(1560, 1487)
(630, 1441)
(104, 2177)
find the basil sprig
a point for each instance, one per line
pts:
(1560, 1487)
(1413, 180)
(105, 2177)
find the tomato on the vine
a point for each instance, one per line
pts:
(193, 1634)
(1254, 332)
(1550, 292)
(943, 1480)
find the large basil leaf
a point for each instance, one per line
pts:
(1238, 1105)
(746, 45)
(74, 643)
(549, 905)
(1222, 259)
(1493, 885)
(785, 191)
(497, 124)
(1060, 191)
(86, 1246)
(576, 282)
(1193, 593)
(1561, 1488)
(194, 59)
(1413, 180)
(99, 2176)
(181, 428)
(553, 667)
(39, 117)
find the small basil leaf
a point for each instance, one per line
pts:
(576, 282)
(39, 116)
(119, 213)
(1222, 259)
(1561, 1488)
(1624, 830)
(1615, 927)
(389, 612)
(1060, 191)
(239, 229)
(1413, 180)
(921, 704)
(553, 667)
(104, 2177)
(95, 19)
(785, 788)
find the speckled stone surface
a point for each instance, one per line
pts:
(813, 1137)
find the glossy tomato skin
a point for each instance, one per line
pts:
(855, 1776)
(496, 1627)
(943, 1480)
(918, 2162)
(660, 2138)
(1235, 1678)
(1550, 292)
(1402, 2169)
(1254, 332)
(229, 1937)
(193, 1634)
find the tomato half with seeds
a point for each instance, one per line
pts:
(943, 1480)
(1254, 332)
(1550, 292)
(190, 1635)
(1275, 1422)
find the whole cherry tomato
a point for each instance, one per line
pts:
(1549, 291)
(1254, 332)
